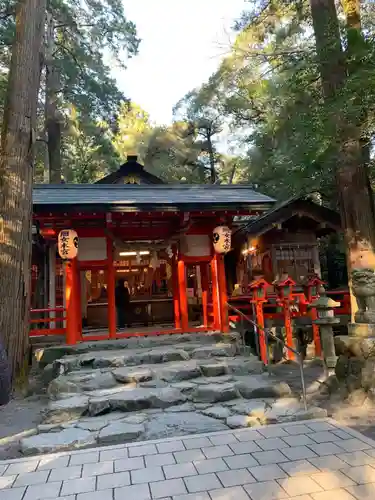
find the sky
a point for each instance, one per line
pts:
(182, 44)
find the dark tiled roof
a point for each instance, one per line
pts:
(65, 196)
(131, 166)
(283, 211)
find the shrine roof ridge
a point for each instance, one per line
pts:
(298, 204)
(148, 195)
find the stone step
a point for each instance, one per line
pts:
(48, 355)
(133, 397)
(114, 392)
(180, 420)
(135, 357)
(152, 375)
(122, 395)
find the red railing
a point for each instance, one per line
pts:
(299, 305)
(284, 303)
(49, 322)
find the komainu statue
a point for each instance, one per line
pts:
(363, 286)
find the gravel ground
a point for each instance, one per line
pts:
(18, 418)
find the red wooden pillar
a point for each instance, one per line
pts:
(261, 333)
(204, 282)
(176, 291)
(215, 293)
(78, 299)
(111, 285)
(223, 296)
(258, 290)
(288, 328)
(285, 305)
(285, 293)
(183, 295)
(71, 294)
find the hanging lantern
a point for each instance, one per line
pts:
(222, 239)
(68, 244)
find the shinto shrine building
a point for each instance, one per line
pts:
(133, 227)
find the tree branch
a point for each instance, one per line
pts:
(73, 56)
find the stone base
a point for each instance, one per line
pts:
(355, 368)
(355, 346)
(361, 330)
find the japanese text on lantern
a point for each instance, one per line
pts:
(68, 244)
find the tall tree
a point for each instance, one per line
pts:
(16, 173)
(81, 40)
(268, 91)
(353, 184)
(204, 124)
(357, 53)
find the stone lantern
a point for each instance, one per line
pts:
(326, 319)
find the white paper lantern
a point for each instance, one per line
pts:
(68, 244)
(222, 239)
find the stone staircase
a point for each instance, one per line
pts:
(149, 388)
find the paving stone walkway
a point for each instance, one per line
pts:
(308, 460)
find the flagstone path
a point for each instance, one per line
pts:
(308, 460)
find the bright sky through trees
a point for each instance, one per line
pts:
(182, 44)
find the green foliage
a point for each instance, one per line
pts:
(268, 91)
(170, 152)
(132, 130)
(7, 12)
(88, 37)
(204, 122)
(88, 154)
(83, 32)
(265, 99)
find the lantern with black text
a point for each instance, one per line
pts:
(68, 244)
(222, 239)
